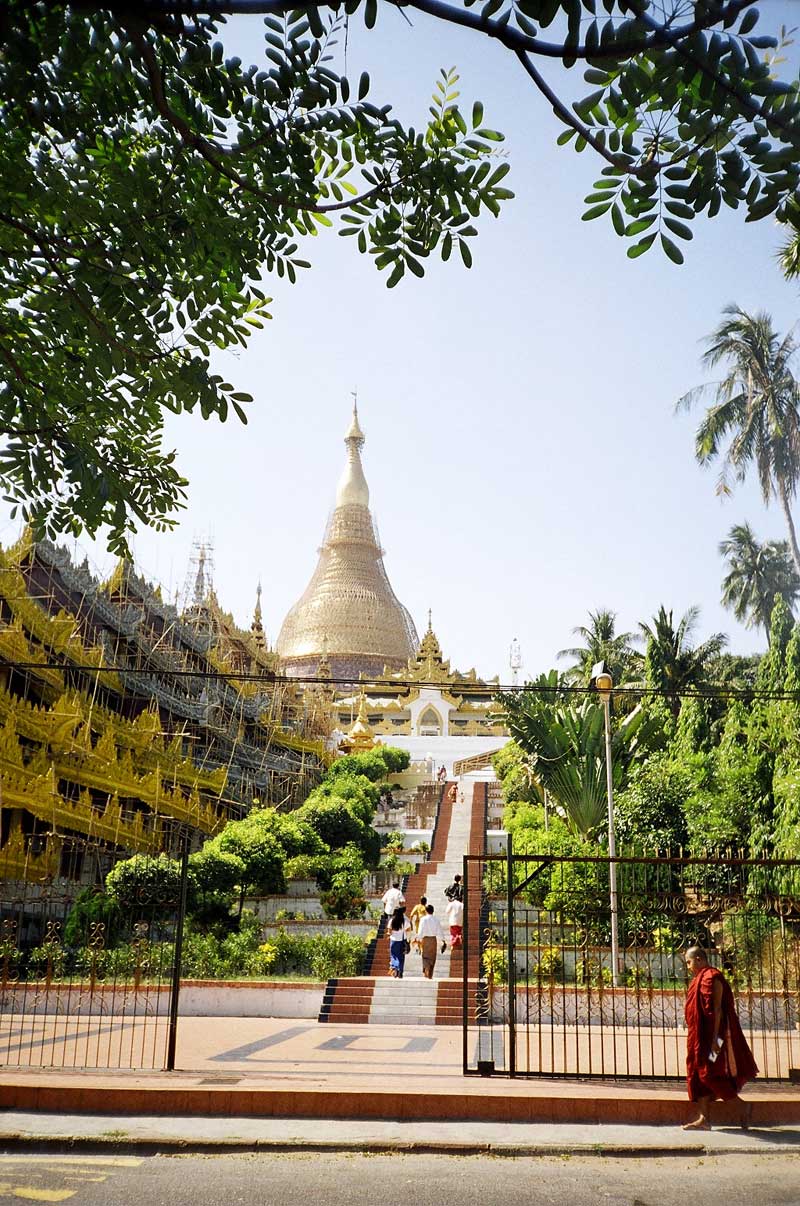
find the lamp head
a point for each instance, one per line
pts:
(602, 680)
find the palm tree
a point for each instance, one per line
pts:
(755, 410)
(564, 744)
(601, 643)
(756, 574)
(672, 664)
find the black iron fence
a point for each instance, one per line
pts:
(551, 990)
(85, 984)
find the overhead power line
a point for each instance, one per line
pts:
(267, 678)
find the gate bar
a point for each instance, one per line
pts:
(511, 976)
(177, 960)
(465, 971)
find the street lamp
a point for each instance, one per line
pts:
(603, 684)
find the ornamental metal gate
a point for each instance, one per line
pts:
(544, 996)
(82, 985)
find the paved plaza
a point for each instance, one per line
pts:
(281, 1067)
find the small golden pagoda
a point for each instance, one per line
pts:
(360, 737)
(349, 600)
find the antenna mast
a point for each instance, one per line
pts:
(515, 662)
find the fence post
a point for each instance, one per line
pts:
(177, 959)
(512, 967)
(465, 970)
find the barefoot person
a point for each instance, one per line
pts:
(415, 917)
(430, 935)
(718, 1059)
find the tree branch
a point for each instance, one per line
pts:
(209, 152)
(570, 119)
(501, 31)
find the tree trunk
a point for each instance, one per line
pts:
(783, 496)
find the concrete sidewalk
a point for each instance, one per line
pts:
(154, 1134)
(278, 1068)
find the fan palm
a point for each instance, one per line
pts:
(756, 574)
(756, 410)
(672, 663)
(565, 746)
(601, 643)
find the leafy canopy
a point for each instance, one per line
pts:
(150, 179)
(564, 740)
(148, 182)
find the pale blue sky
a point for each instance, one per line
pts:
(522, 454)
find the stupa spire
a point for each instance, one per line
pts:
(257, 627)
(348, 614)
(200, 579)
(353, 489)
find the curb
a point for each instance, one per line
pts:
(144, 1146)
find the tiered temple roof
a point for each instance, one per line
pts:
(120, 717)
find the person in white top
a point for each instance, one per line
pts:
(430, 934)
(399, 933)
(454, 913)
(391, 898)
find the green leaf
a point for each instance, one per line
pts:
(596, 211)
(640, 224)
(749, 21)
(641, 247)
(477, 115)
(672, 250)
(678, 228)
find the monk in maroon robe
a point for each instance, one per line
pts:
(718, 1059)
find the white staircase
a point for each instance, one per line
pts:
(412, 1000)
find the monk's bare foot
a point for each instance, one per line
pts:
(699, 1124)
(746, 1114)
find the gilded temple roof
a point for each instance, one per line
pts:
(349, 610)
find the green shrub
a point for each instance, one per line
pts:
(495, 964)
(202, 957)
(591, 972)
(337, 954)
(265, 958)
(293, 953)
(91, 908)
(345, 898)
(550, 965)
(48, 959)
(143, 886)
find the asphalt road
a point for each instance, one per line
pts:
(345, 1180)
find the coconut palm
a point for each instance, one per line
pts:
(672, 663)
(602, 643)
(756, 410)
(756, 574)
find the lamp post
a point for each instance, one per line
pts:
(603, 683)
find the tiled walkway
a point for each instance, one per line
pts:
(284, 1068)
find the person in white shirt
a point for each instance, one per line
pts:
(454, 913)
(391, 898)
(399, 933)
(430, 934)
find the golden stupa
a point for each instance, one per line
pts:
(348, 611)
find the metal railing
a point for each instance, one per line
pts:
(543, 998)
(85, 983)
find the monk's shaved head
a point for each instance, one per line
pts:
(697, 952)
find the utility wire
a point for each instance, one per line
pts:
(267, 678)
